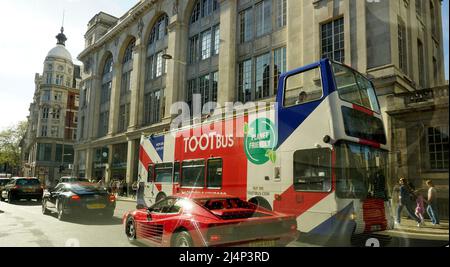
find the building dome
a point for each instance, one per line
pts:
(60, 51)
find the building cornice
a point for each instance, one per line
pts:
(124, 22)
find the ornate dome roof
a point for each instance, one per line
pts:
(60, 51)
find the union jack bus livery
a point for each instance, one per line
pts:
(319, 153)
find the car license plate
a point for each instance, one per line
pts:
(96, 206)
(29, 190)
(266, 243)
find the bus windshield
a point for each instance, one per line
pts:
(360, 171)
(355, 88)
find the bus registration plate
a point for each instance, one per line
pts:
(264, 243)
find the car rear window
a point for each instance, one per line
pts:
(86, 189)
(226, 203)
(28, 182)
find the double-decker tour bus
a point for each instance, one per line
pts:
(319, 152)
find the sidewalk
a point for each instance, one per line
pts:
(126, 199)
(408, 229)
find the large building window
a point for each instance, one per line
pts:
(262, 76)
(159, 31)
(103, 124)
(332, 40)
(45, 112)
(153, 107)
(402, 54)
(263, 17)
(203, 8)
(203, 48)
(124, 115)
(107, 81)
(49, 78)
(279, 59)
(44, 131)
(281, 13)
(421, 56)
(127, 68)
(245, 81)
(438, 147)
(46, 95)
(246, 25)
(44, 152)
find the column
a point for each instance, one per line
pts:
(93, 112)
(108, 173)
(131, 164)
(176, 67)
(136, 87)
(227, 52)
(115, 99)
(89, 162)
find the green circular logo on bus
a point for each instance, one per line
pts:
(260, 141)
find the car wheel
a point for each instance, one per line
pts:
(183, 239)
(60, 210)
(10, 198)
(130, 229)
(44, 207)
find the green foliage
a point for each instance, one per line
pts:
(10, 139)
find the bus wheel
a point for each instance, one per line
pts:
(261, 202)
(160, 197)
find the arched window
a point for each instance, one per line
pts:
(156, 68)
(125, 87)
(107, 80)
(203, 49)
(45, 112)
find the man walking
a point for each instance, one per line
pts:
(432, 209)
(405, 202)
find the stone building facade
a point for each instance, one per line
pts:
(161, 52)
(53, 120)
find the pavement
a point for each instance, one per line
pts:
(409, 229)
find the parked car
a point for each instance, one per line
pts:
(3, 182)
(208, 220)
(77, 199)
(22, 188)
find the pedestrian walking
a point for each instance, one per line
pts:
(432, 208)
(135, 188)
(420, 206)
(405, 202)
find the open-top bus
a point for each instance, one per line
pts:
(319, 153)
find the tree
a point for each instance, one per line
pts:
(10, 139)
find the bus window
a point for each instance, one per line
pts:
(150, 177)
(355, 88)
(215, 168)
(193, 174)
(303, 87)
(176, 173)
(312, 170)
(163, 173)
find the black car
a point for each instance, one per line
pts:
(22, 188)
(3, 182)
(78, 199)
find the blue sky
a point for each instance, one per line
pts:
(28, 30)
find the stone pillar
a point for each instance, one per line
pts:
(227, 52)
(136, 87)
(176, 67)
(131, 164)
(361, 39)
(89, 162)
(115, 99)
(108, 172)
(94, 107)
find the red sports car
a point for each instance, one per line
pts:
(209, 220)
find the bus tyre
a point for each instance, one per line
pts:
(183, 240)
(261, 202)
(130, 229)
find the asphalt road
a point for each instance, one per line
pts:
(24, 225)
